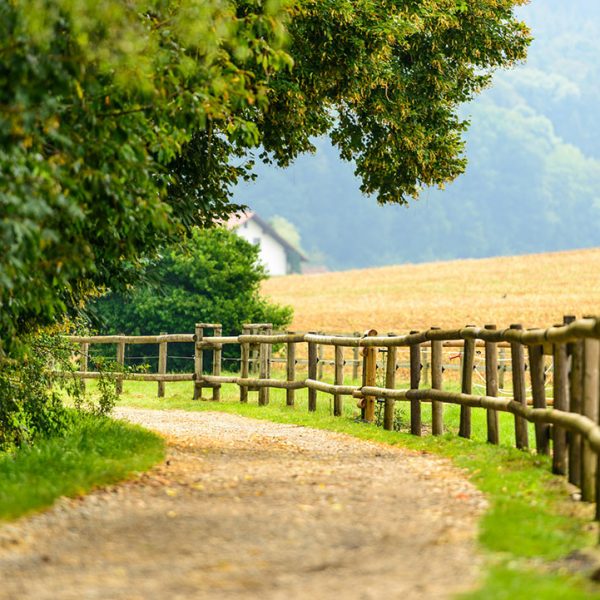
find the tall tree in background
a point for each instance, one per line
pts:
(123, 125)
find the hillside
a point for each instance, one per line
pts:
(535, 290)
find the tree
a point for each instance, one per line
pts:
(96, 101)
(213, 277)
(123, 125)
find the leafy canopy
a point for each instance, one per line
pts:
(123, 125)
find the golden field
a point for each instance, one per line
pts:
(535, 290)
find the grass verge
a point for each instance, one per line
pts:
(95, 451)
(530, 525)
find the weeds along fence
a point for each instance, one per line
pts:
(568, 355)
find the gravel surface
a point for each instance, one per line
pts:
(253, 509)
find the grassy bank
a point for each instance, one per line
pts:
(531, 523)
(94, 452)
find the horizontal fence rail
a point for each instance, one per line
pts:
(554, 378)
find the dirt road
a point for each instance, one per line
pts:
(252, 509)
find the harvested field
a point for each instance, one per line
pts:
(535, 290)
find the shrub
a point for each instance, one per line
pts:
(33, 384)
(213, 277)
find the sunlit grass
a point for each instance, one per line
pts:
(93, 452)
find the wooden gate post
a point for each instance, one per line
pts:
(538, 392)
(468, 361)
(491, 387)
(217, 363)
(244, 365)
(338, 408)
(559, 434)
(437, 407)
(591, 358)
(519, 389)
(312, 374)
(291, 372)
(162, 365)
(121, 363)
(390, 384)
(369, 377)
(198, 361)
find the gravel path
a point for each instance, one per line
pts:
(252, 509)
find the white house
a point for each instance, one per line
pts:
(278, 255)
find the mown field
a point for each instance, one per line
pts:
(535, 290)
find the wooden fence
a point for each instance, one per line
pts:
(568, 430)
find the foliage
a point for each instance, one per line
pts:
(531, 184)
(97, 99)
(213, 277)
(123, 125)
(384, 80)
(32, 389)
(91, 452)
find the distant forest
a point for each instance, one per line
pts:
(532, 183)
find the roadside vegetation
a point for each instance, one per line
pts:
(532, 524)
(90, 452)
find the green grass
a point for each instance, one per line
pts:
(530, 522)
(95, 451)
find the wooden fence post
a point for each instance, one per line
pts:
(468, 361)
(390, 384)
(559, 434)
(574, 389)
(265, 369)
(217, 364)
(338, 399)
(576, 401)
(591, 358)
(369, 378)
(84, 351)
(244, 365)
(415, 378)
(291, 372)
(491, 388)
(162, 365)
(519, 389)
(320, 359)
(254, 353)
(538, 392)
(356, 359)
(502, 369)
(198, 361)
(426, 362)
(437, 407)
(121, 363)
(312, 374)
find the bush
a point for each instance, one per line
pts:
(213, 277)
(33, 384)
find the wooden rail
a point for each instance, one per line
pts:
(566, 426)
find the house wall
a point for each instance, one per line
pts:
(272, 253)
